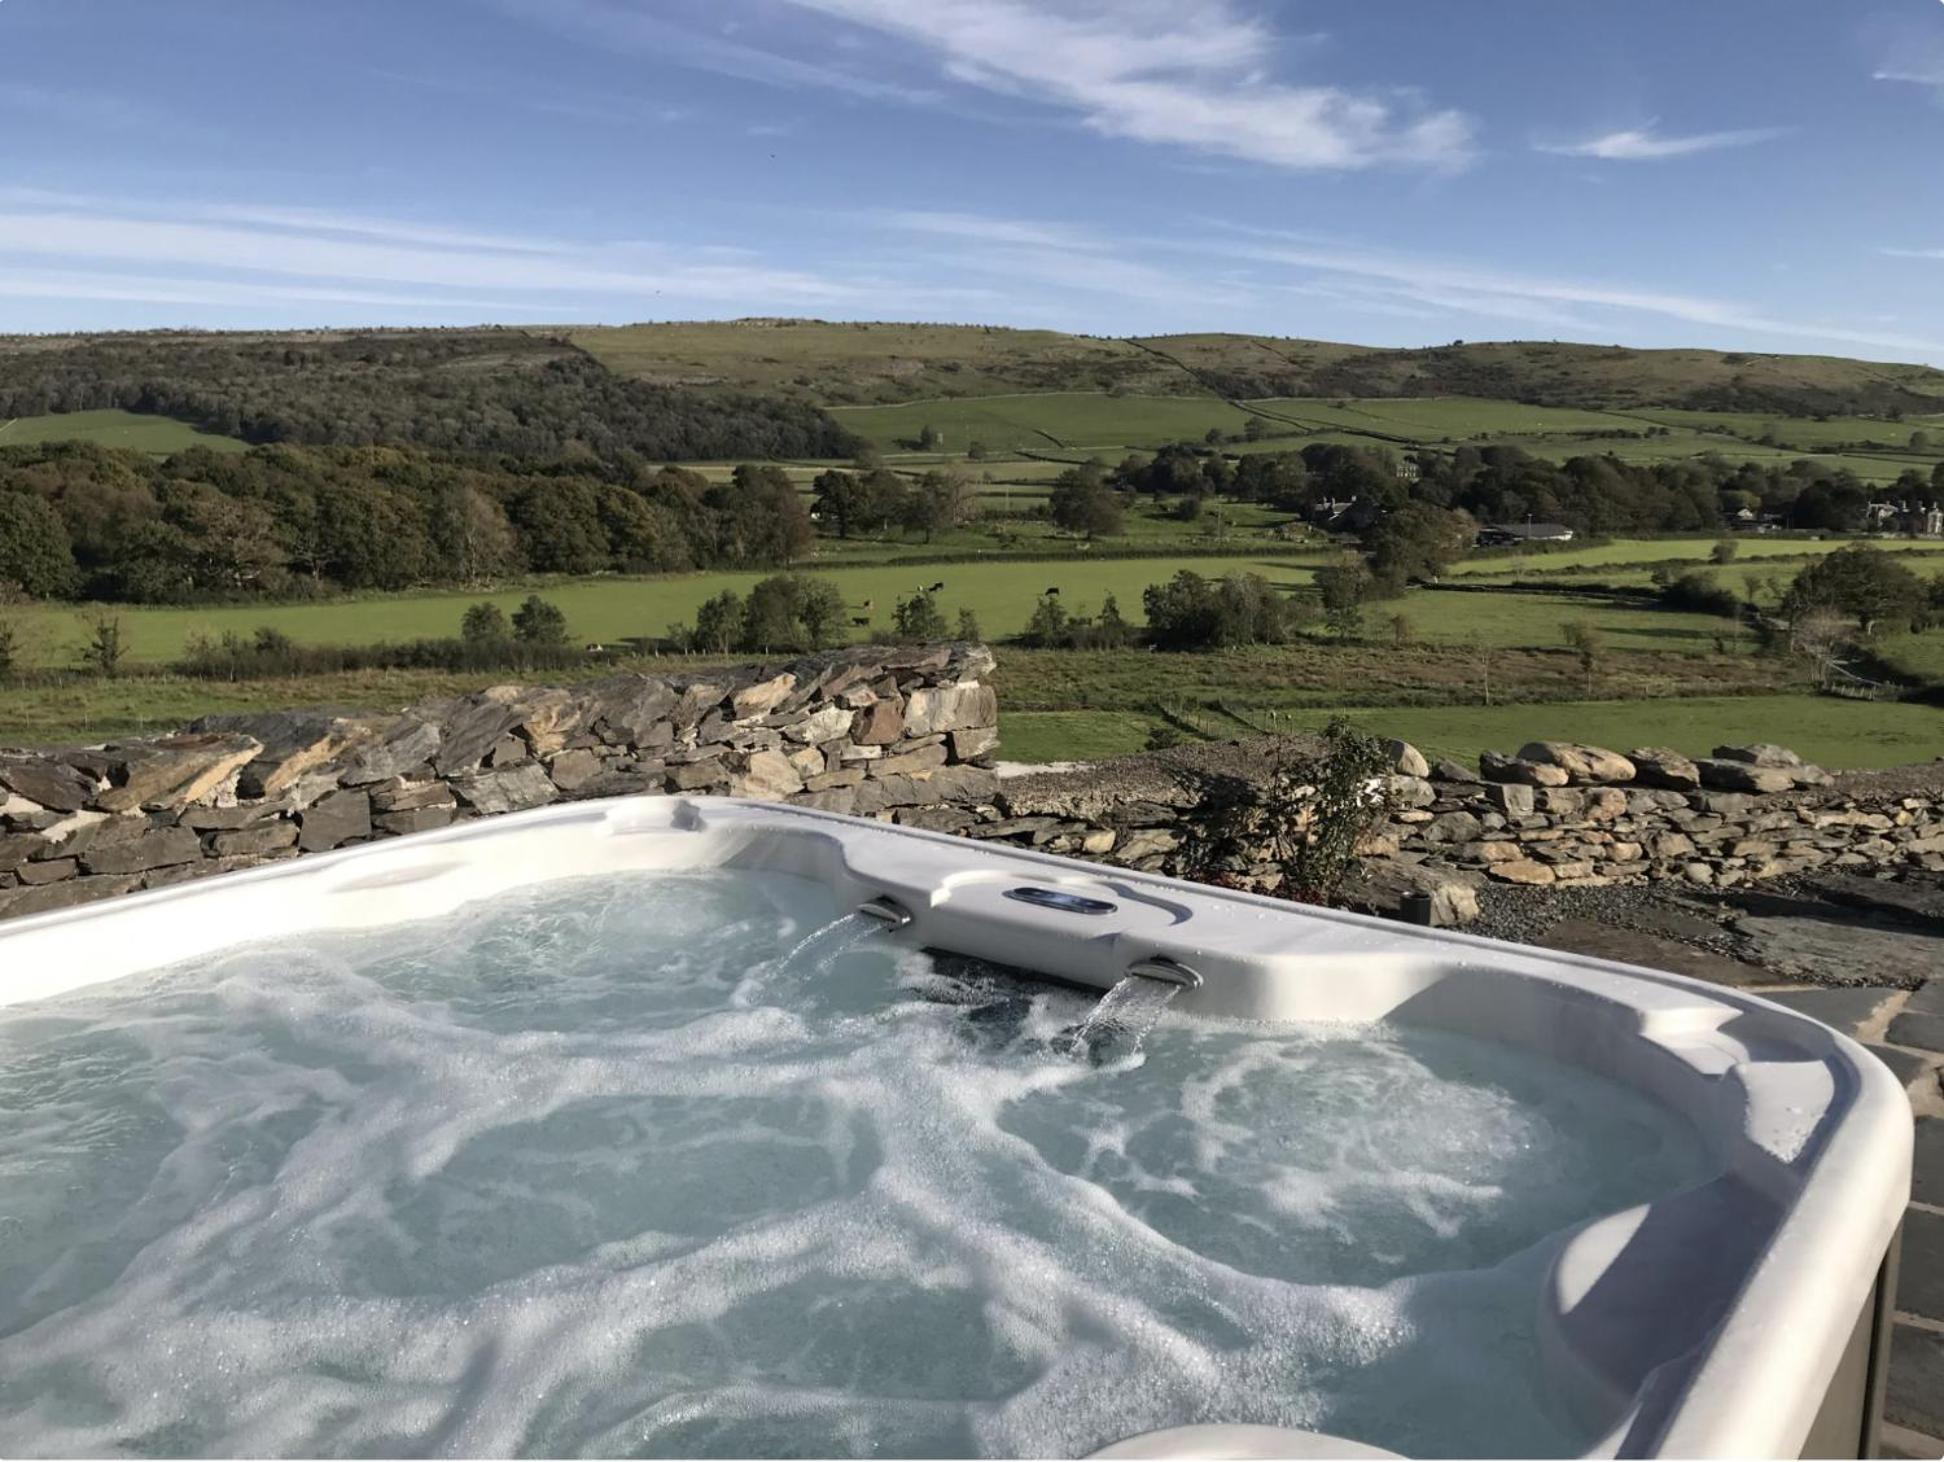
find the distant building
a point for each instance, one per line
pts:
(1499, 535)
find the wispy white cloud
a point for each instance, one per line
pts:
(1196, 74)
(1191, 73)
(1644, 144)
(625, 26)
(1229, 270)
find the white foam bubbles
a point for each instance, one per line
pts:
(649, 1165)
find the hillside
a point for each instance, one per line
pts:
(842, 364)
(519, 392)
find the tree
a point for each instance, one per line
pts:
(10, 651)
(1047, 629)
(34, 551)
(1417, 541)
(1082, 502)
(1863, 582)
(1724, 551)
(918, 621)
(839, 499)
(104, 649)
(484, 624)
(941, 500)
(1190, 612)
(967, 628)
(536, 622)
(1585, 640)
(1255, 429)
(975, 452)
(928, 438)
(718, 624)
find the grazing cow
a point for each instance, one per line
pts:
(1052, 593)
(936, 587)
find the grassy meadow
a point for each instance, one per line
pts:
(157, 435)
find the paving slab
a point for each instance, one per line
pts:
(1916, 1392)
(1926, 1032)
(1841, 951)
(1908, 1066)
(1927, 1178)
(1920, 1271)
(1929, 998)
(1848, 1009)
(1655, 951)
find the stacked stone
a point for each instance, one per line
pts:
(904, 735)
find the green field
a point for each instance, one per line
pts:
(1835, 733)
(1072, 421)
(157, 435)
(1621, 552)
(1001, 594)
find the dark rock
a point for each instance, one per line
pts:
(629, 707)
(51, 870)
(155, 848)
(1451, 827)
(572, 770)
(696, 776)
(20, 902)
(17, 848)
(413, 819)
(512, 790)
(1444, 769)
(333, 820)
(49, 783)
(223, 819)
(471, 732)
(1920, 1274)
(397, 750)
(410, 796)
(266, 838)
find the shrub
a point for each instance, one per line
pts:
(1305, 817)
(484, 623)
(917, 620)
(104, 650)
(1695, 592)
(1864, 583)
(1190, 612)
(537, 622)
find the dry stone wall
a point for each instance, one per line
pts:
(1554, 814)
(908, 736)
(880, 732)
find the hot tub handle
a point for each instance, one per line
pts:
(886, 911)
(1167, 971)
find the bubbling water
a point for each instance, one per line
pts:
(685, 1165)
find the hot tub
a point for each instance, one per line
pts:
(612, 1128)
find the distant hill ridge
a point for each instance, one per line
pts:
(839, 363)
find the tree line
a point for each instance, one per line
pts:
(1496, 484)
(483, 391)
(78, 520)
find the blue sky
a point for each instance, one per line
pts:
(1746, 174)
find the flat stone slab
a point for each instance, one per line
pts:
(1925, 1032)
(1927, 1177)
(1920, 1272)
(1655, 951)
(1910, 1067)
(1848, 1009)
(1921, 903)
(1916, 1393)
(1928, 998)
(1850, 952)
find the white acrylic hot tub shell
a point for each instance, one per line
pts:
(1710, 1323)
